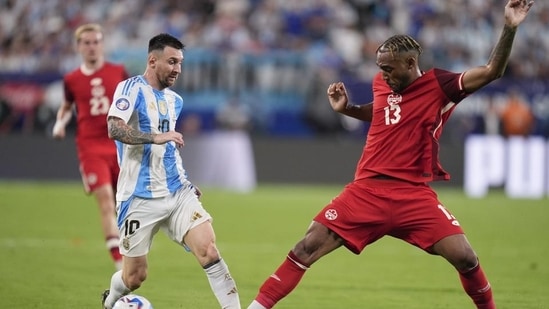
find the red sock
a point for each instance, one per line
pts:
(476, 285)
(282, 282)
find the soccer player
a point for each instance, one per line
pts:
(153, 190)
(389, 194)
(90, 88)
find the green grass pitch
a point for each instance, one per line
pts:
(53, 255)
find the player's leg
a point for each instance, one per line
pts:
(457, 250)
(200, 240)
(97, 178)
(318, 241)
(351, 219)
(129, 278)
(190, 226)
(104, 196)
(139, 223)
(424, 222)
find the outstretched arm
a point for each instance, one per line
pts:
(64, 115)
(339, 100)
(476, 78)
(121, 131)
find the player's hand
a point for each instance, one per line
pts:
(58, 131)
(337, 95)
(170, 136)
(516, 11)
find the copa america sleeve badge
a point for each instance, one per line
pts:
(122, 104)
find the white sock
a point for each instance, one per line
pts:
(223, 285)
(255, 305)
(117, 290)
(118, 265)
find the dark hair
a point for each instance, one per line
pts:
(400, 43)
(160, 41)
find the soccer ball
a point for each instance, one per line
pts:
(132, 301)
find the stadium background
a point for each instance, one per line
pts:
(52, 252)
(274, 58)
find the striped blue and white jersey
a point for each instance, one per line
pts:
(148, 170)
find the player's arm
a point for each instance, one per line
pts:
(119, 130)
(476, 78)
(362, 112)
(339, 100)
(64, 115)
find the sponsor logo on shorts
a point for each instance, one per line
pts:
(330, 214)
(122, 104)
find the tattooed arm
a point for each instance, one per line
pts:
(476, 78)
(121, 131)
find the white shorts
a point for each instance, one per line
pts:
(175, 214)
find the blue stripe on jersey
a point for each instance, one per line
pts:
(173, 180)
(120, 151)
(129, 85)
(122, 212)
(125, 88)
(178, 105)
(143, 186)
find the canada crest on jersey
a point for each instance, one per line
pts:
(394, 99)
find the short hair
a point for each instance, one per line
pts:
(86, 28)
(400, 43)
(160, 41)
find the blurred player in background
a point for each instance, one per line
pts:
(390, 194)
(517, 118)
(90, 88)
(153, 190)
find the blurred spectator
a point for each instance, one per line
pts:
(491, 118)
(190, 125)
(271, 49)
(33, 33)
(233, 116)
(517, 118)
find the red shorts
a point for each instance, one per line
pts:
(98, 170)
(369, 209)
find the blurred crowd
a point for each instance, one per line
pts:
(36, 36)
(270, 55)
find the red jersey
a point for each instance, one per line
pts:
(402, 141)
(92, 94)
